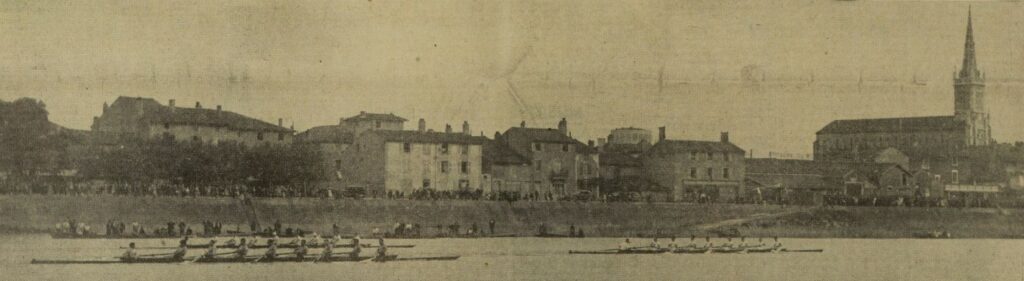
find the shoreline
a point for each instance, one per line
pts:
(37, 214)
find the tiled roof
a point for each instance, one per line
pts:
(539, 135)
(376, 116)
(326, 134)
(498, 153)
(907, 124)
(155, 113)
(807, 172)
(682, 146)
(427, 137)
(619, 159)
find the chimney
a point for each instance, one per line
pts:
(725, 137)
(601, 142)
(563, 126)
(423, 125)
(198, 106)
(171, 105)
(218, 108)
(465, 128)
(280, 122)
(522, 124)
(447, 128)
(105, 107)
(661, 133)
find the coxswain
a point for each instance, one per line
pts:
(271, 252)
(242, 250)
(300, 251)
(179, 254)
(382, 251)
(356, 248)
(211, 252)
(624, 246)
(130, 255)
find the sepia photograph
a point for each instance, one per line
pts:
(511, 140)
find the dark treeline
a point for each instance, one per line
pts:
(197, 164)
(29, 144)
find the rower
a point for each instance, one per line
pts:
(316, 239)
(328, 250)
(382, 251)
(707, 242)
(728, 243)
(211, 252)
(300, 251)
(130, 254)
(760, 241)
(356, 248)
(624, 246)
(692, 243)
(743, 242)
(271, 252)
(243, 249)
(179, 254)
(777, 243)
(655, 244)
(672, 244)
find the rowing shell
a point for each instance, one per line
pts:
(339, 258)
(280, 246)
(620, 252)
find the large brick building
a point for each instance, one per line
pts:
(933, 143)
(146, 118)
(561, 165)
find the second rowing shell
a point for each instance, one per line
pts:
(282, 246)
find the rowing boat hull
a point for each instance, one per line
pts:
(620, 252)
(339, 258)
(281, 246)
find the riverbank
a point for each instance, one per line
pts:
(39, 213)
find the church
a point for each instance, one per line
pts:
(934, 143)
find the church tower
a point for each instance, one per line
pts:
(969, 95)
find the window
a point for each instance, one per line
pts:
(711, 156)
(565, 147)
(955, 177)
(376, 123)
(537, 164)
(196, 138)
(259, 136)
(337, 164)
(711, 173)
(725, 156)
(693, 155)
(406, 147)
(280, 136)
(904, 180)
(725, 173)
(167, 126)
(464, 167)
(464, 148)
(693, 173)
(536, 147)
(444, 166)
(444, 148)
(426, 149)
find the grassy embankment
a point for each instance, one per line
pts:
(40, 213)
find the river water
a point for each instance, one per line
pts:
(548, 259)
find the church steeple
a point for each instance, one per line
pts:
(969, 72)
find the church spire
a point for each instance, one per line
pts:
(969, 70)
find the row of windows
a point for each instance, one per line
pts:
(540, 147)
(463, 167)
(694, 155)
(259, 135)
(710, 172)
(464, 148)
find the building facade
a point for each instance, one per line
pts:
(561, 165)
(146, 118)
(332, 141)
(629, 135)
(406, 161)
(696, 170)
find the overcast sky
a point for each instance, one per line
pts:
(770, 72)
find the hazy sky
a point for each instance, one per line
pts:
(769, 72)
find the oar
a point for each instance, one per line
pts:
(201, 256)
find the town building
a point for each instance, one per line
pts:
(629, 135)
(505, 170)
(146, 118)
(405, 161)
(807, 182)
(695, 170)
(561, 165)
(333, 140)
(934, 143)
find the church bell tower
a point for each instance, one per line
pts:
(969, 95)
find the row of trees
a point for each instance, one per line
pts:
(199, 164)
(29, 143)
